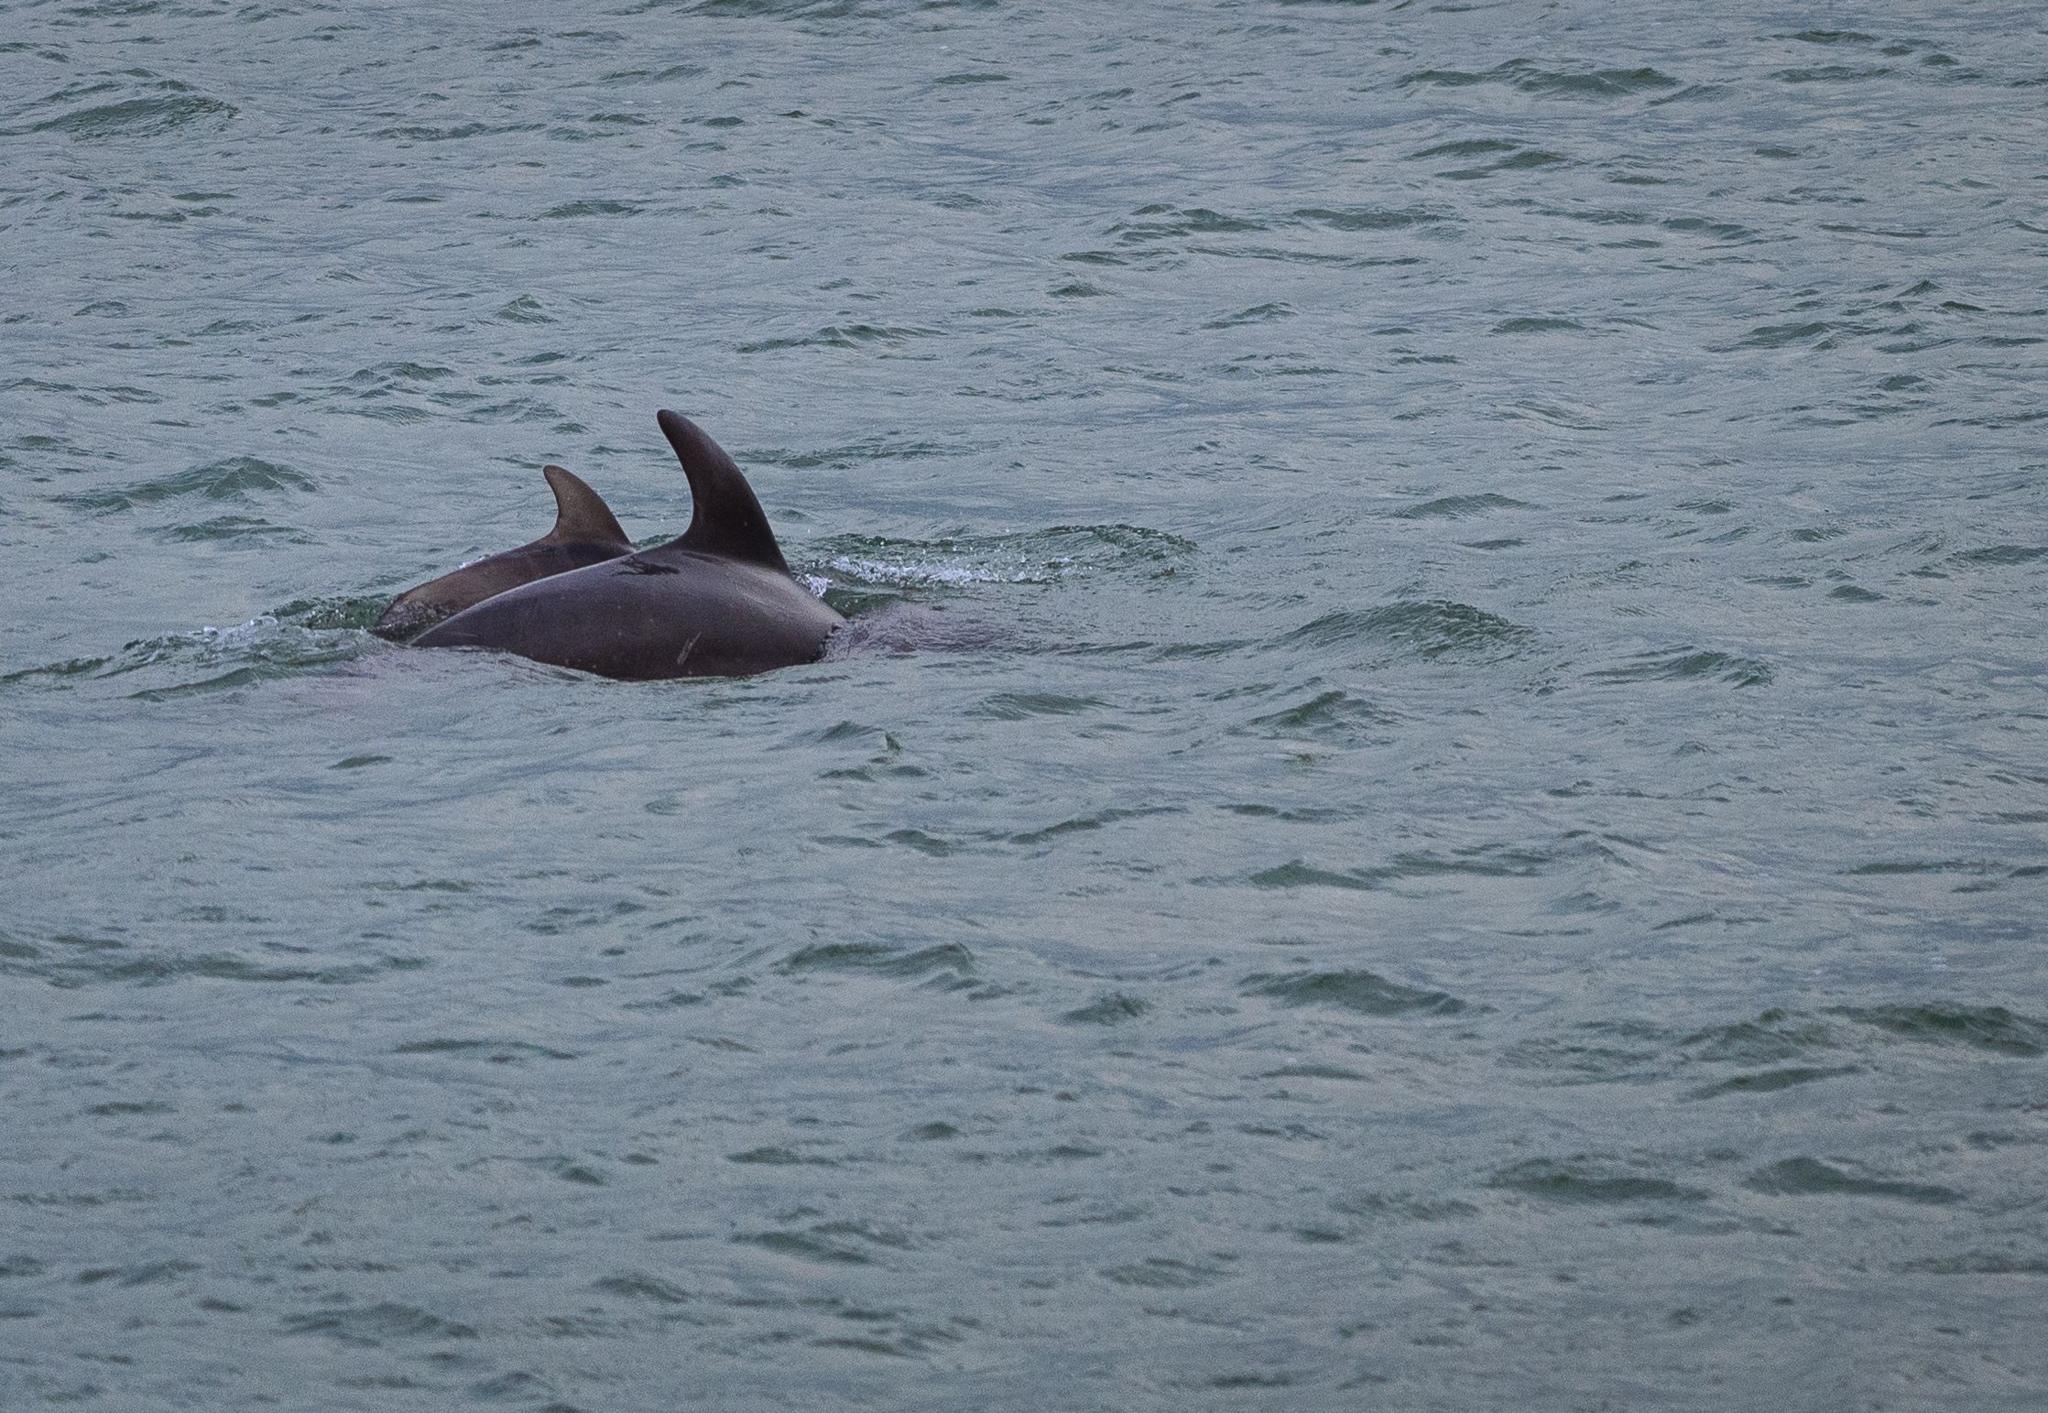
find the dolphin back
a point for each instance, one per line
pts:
(585, 533)
(667, 612)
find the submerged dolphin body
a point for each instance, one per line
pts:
(717, 601)
(585, 533)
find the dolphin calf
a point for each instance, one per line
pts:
(717, 601)
(585, 532)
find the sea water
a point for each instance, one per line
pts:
(1437, 797)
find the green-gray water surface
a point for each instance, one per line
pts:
(1437, 802)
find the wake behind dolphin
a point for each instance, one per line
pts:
(716, 601)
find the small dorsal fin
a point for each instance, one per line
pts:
(725, 517)
(581, 516)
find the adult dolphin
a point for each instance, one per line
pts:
(586, 532)
(717, 601)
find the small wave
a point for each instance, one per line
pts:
(770, 9)
(1689, 664)
(948, 961)
(1367, 218)
(1721, 230)
(139, 117)
(774, 1155)
(1594, 1052)
(457, 132)
(1461, 507)
(241, 531)
(1405, 1206)
(1774, 1036)
(1528, 78)
(307, 635)
(573, 209)
(1279, 365)
(1328, 715)
(1580, 1179)
(56, 671)
(1524, 159)
(1430, 628)
(1112, 1009)
(385, 375)
(497, 1052)
(599, 126)
(1978, 1263)
(239, 478)
(1021, 706)
(1466, 147)
(1362, 991)
(1163, 1273)
(1772, 1080)
(1784, 335)
(1851, 37)
(2000, 556)
(808, 1247)
(841, 336)
(639, 1285)
(115, 962)
(1992, 1028)
(373, 1325)
(140, 1273)
(1831, 73)
(1599, 83)
(1170, 223)
(854, 454)
(524, 310)
(1810, 1177)
(1257, 314)
(1564, 416)
(1538, 324)
(1482, 861)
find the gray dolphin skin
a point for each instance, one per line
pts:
(717, 601)
(585, 533)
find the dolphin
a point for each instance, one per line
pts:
(716, 601)
(585, 532)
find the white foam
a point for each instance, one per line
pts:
(238, 633)
(954, 575)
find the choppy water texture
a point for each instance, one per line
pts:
(1464, 826)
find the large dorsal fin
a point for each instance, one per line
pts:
(725, 518)
(581, 516)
